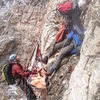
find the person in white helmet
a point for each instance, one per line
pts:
(19, 75)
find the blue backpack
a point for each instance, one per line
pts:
(77, 41)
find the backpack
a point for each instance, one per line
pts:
(7, 73)
(65, 8)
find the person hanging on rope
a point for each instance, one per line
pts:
(20, 76)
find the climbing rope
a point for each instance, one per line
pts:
(19, 90)
(25, 89)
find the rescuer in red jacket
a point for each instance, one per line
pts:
(20, 76)
(17, 69)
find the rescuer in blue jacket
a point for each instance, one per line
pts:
(71, 45)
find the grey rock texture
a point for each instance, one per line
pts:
(20, 21)
(85, 82)
(19, 24)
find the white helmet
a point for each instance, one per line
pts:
(12, 57)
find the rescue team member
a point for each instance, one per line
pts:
(71, 45)
(19, 75)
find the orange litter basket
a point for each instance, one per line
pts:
(39, 82)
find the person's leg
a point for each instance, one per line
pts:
(63, 53)
(58, 46)
(28, 90)
(54, 49)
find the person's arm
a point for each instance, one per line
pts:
(20, 71)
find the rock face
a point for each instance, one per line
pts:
(19, 24)
(85, 82)
(21, 20)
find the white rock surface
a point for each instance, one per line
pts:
(19, 22)
(19, 19)
(85, 82)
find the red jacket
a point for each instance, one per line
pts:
(17, 70)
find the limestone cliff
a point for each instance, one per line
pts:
(19, 23)
(21, 20)
(85, 82)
